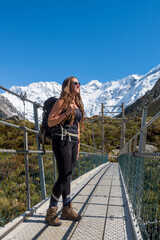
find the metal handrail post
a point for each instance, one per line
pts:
(90, 159)
(27, 169)
(122, 142)
(84, 160)
(142, 141)
(102, 126)
(90, 162)
(83, 148)
(135, 144)
(79, 174)
(40, 159)
(126, 150)
(93, 159)
(88, 149)
(93, 135)
(130, 146)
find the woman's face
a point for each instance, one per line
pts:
(75, 86)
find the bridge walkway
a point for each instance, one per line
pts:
(99, 197)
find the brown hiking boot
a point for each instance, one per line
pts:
(69, 214)
(51, 217)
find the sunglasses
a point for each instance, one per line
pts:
(76, 83)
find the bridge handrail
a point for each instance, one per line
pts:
(141, 175)
(36, 151)
(21, 96)
(18, 126)
(142, 130)
(145, 126)
(148, 155)
(24, 128)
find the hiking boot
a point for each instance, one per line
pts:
(51, 217)
(69, 214)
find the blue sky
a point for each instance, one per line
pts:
(90, 39)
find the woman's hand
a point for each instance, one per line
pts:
(70, 108)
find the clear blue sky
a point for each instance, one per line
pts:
(91, 39)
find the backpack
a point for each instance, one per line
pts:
(45, 130)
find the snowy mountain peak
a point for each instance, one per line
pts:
(155, 69)
(94, 84)
(126, 90)
(154, 72)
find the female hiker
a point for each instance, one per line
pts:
(67, 111)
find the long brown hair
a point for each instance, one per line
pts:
(66, 96)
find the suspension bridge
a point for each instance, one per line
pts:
(117, 199)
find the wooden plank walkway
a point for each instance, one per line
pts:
(99, 197)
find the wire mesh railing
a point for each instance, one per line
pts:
(141, 174)
(14, 190)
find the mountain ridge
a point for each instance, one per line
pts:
(151, 100)
(126, 90)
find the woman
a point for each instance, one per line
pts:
(67, 111)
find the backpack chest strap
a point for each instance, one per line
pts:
(64, 132)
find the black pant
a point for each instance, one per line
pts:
(66, 157)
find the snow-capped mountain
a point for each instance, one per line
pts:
(112, 93)
(7, 110)
(151, 99)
